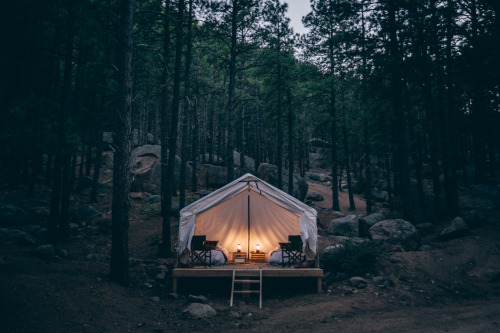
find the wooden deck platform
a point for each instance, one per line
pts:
(250, 269)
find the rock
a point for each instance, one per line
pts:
(425, 248)
(21, 237)
(457, 228)
(358, 282)
(379, 196)
(96, 257)
(197, 299)
(315, 196)
(320, 177)
(381, 184)
(332, 249)
(216, 160)
(150, 138)
(154, 199)
(395, 232)
(155, 299)
(62, 253)
(269, 173)
(212, 175)
(107, 137)
(46, 251)
(173, 295)
(249, 162)
(336, 214)
(234, 314)
(160, 277)
(147, 285)
(424, 228)
(345, 226)
(145, 169)
(200, 310)
(366, 222)
(85, 212)
(12, 215)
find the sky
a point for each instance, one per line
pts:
(297, 9)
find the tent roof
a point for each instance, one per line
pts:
(249, 182)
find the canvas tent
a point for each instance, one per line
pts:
(248, 211)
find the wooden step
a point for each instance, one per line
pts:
(247, 281)
(246, 291)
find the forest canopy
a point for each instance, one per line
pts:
(407, 88)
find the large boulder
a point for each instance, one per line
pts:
(269, 173)
(200, 310)
(457, 228)
(205, 159)
(212, 175)
(366, 222)
(17, 236)
(145, 169)
(314, 196)
(13, 215)
(347, 226)
(249, 162)
(379, 196)
(395, 234)
(319, 177)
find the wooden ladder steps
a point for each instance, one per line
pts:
(245, 280)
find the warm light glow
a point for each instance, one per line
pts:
(258, 248)
(239, 247)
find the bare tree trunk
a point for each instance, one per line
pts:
(187, 109)
(291, 167)
(164, 247)
(232, 85)
(174, 121)
(119, 269)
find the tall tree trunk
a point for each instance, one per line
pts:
(232, 85)
(59, 209)
(164, 247)
(352, 205)
(451, 190)
(399, 114)
(291, 167)
(174, 122)
(333, 128)
(119, 269)
(97, 167)
(187, 108)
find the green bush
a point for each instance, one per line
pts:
(352, 258)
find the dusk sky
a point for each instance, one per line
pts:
(297, 9)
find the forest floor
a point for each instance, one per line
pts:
(452, 287)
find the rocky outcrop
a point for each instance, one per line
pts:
(145, 169)
(200, 310)
(249, 162)
(212, 175)
(347, 226)
(313, 196)
(395, 235)
(366, 222)
(269, 173)
(457, 228)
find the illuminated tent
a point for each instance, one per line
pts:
(248, 211)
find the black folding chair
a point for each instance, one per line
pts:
(200, 254)
(292, 251)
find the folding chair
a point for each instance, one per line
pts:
(291, 250)
(200, 254)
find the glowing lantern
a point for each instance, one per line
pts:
(239, 248)
(258, 248)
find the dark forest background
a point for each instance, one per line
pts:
(407, 88)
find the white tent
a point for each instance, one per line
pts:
(248, 211)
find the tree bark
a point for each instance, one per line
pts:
(119, 270)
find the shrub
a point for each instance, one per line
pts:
(352, 258)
